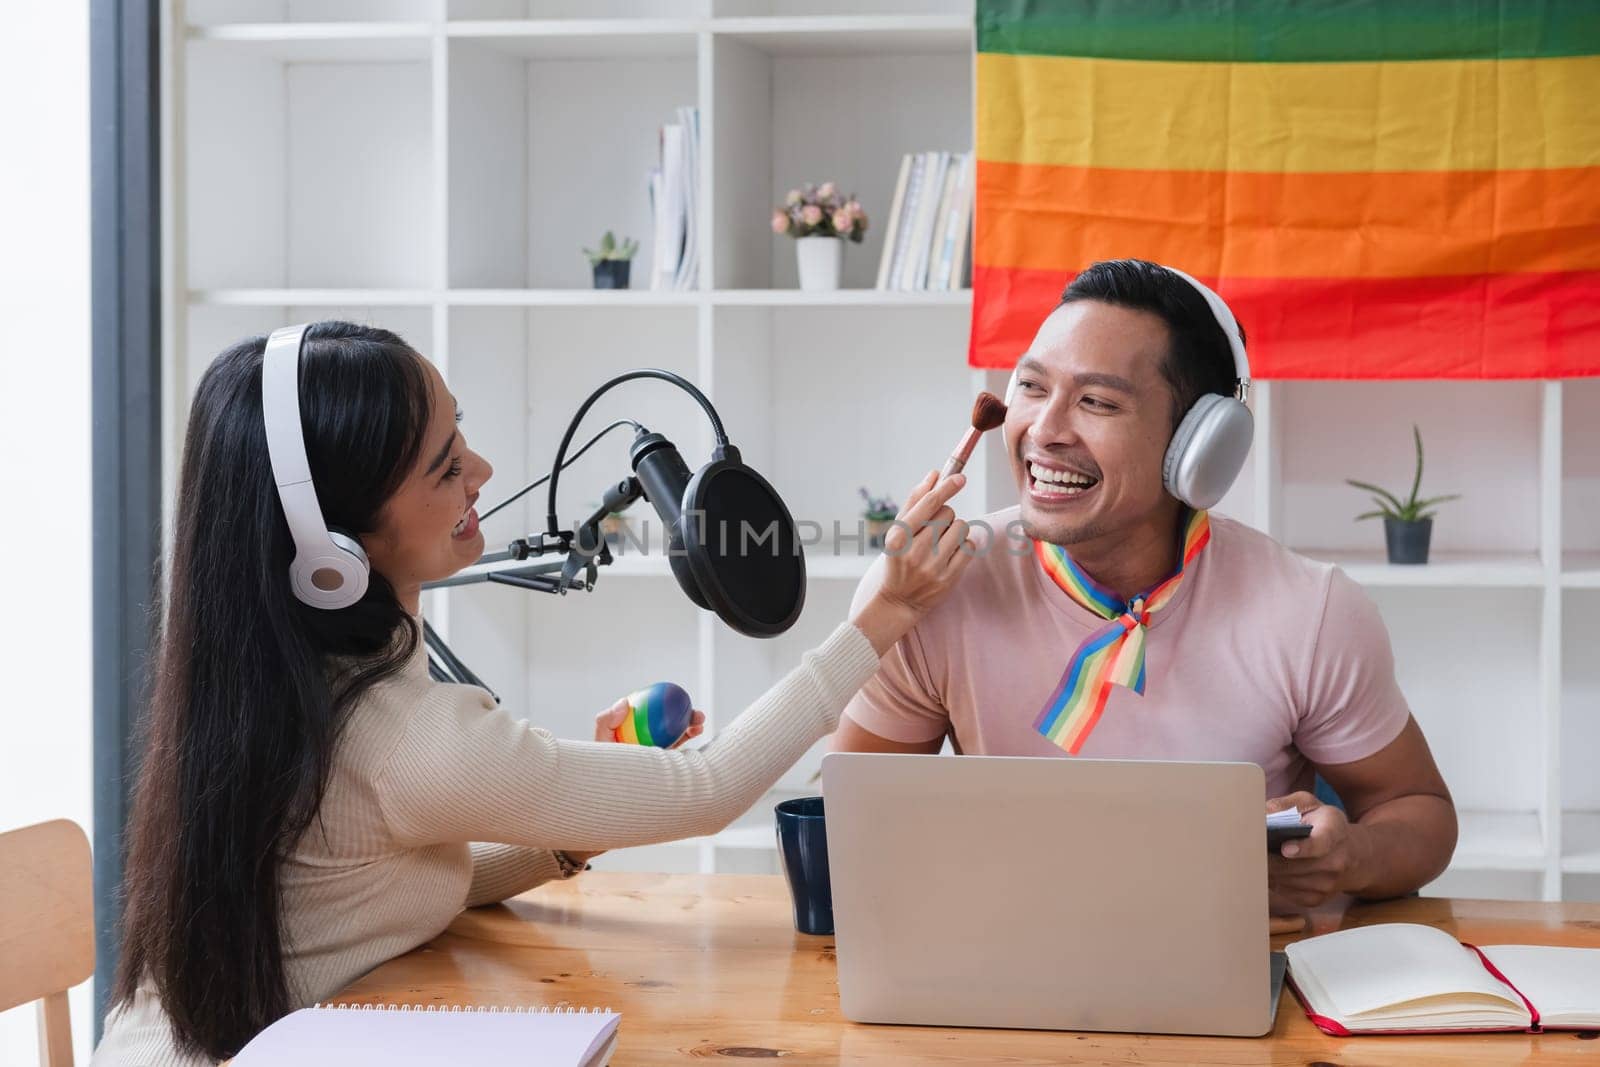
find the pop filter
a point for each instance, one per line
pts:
(742, 548)
(731, 541)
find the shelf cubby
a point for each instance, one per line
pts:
(902, 10)
(1480, 440)
(363, 15)
(851, 399)
(787, 115)
(209, 329)
(1580, 483)
(636, 11)
(552, 139)
(1580, 730)
(1480, 709)
(306, 174)
(521, 373)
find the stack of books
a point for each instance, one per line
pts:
(675, 204)
(929, 240)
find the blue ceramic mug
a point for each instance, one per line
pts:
(803, 851)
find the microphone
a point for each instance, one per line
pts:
(731, 541)
(664, 475)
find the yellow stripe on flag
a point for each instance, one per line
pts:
(1437, 115)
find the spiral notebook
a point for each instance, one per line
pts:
(348, 1035)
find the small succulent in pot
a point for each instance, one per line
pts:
(879, 512)
(611, 261)
(1408, 523)
(613, 527)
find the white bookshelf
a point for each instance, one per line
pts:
(435, 166)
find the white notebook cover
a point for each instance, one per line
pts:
(346, 1036)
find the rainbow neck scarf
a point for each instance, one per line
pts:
(1114, 655)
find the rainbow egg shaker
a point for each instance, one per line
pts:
(660, 715)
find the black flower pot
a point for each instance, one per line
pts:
(1408, 541)
(611, 273)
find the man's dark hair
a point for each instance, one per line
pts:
(1199, 358)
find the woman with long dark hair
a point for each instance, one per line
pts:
(310, 803)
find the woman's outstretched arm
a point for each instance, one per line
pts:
(465, 770)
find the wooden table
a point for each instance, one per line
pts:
(710, 967)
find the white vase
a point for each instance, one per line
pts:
(819, 259)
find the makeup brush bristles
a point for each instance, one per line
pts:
(988, 412)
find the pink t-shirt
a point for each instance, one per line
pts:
(1262, 656)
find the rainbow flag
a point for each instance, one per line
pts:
(1394, 189)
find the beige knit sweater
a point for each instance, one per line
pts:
(426, 772)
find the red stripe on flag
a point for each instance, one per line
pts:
(1466, 327)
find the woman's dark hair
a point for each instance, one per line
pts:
(247, 699)
(1199, 358)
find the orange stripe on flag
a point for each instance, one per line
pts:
(1255, 225)
(1465, 326)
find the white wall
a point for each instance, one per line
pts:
(44, 441)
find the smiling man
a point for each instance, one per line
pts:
(1249, 651)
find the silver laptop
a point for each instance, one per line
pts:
(1058, 894)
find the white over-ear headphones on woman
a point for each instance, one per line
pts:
(329, 569)
(1211, 442)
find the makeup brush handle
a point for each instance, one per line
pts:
(958, 459)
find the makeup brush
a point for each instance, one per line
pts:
(988, 411)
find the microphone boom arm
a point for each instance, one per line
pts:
(552, 525)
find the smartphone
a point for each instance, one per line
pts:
(1277, 835)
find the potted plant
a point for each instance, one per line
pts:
(1407, 524)
(879, 513)
(611, 261)
(820, 221)
(613, 527)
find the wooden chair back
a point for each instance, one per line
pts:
(46, 926)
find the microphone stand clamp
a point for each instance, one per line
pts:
(586, 547)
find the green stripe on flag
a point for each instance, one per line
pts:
(1290, 31)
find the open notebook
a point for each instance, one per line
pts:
(1403, 978)
(402, 1036)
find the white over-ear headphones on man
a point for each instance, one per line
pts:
(1211, 442)
(329, 569)
(1208, 448)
